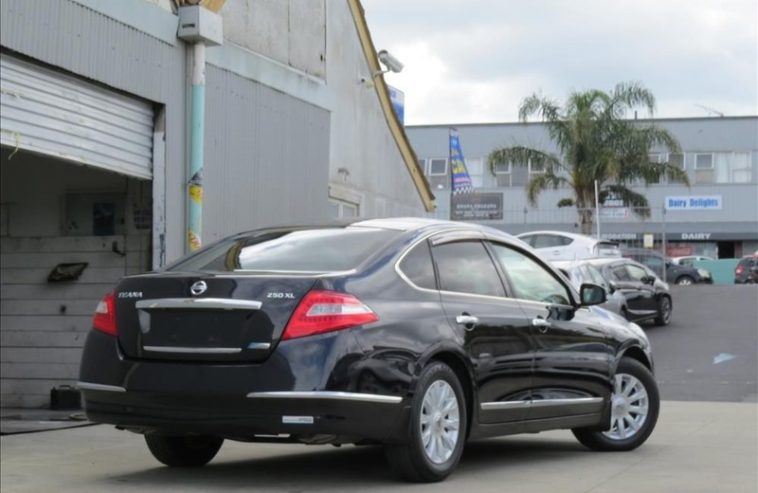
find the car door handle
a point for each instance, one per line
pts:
(542, 324)
(467, 320)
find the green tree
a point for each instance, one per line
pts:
(596, 142)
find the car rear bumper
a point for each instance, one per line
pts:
(281, 396)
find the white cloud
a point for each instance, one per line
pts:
(473, 61)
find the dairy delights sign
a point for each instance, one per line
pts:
(693, 202)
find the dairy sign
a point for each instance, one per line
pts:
(693, 202)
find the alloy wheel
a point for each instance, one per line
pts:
(440, 422)
(630, 406)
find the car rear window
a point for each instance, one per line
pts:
(306, 251)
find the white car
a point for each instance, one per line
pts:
(559, 245)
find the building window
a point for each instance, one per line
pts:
(475, 169)
(341, 208)
(535, 169)
(704, 168)
(436, 172)
(733, 167)
(677, 159)
(503, 174)
(437, 167)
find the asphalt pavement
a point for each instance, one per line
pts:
(709, 352)
(706, 439)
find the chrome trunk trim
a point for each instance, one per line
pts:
(193, 350)
(198, 303)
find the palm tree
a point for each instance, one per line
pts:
(596, 142)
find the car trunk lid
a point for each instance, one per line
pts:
(203, 317)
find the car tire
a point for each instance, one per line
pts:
(638, 410)
(438, 406)
(684, 281)
(183, 450)
(665, 309)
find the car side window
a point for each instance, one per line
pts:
(621, 274)
(636, 273)
(417, 266)
(597, 277)
(530, 280)
(466, 267)
(550, 241)
(528, 239)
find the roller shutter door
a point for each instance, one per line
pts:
(49, 112)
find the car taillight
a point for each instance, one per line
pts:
(327, 311)
(105, 315)
(739, 270)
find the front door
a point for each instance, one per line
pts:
(572, 354)
(495, 331)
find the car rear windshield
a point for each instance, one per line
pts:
(306, 251)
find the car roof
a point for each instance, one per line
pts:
(575, 236)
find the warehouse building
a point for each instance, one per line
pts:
(716, 216)
(97, 99)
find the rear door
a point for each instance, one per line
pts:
(647, 300)
(636, 301)
(495, 330)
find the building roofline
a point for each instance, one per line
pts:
(676, 119)
(396, 129)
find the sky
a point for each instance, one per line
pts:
(474, 61)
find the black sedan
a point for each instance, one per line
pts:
(410, 333)
(647, 298)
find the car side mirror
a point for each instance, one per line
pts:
(612, 287)
(592, 294)
(649, 280)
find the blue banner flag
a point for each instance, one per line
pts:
(461, 181)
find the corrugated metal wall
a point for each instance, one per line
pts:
(89, 44)
(254, 175)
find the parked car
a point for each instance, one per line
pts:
(647, 297)
(558, 245)
(689, 260)
(583, 271)
(746, 271)
(680, 275)
(411, 333)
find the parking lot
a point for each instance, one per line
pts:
(706, 439)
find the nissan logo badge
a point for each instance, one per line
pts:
(198, 288)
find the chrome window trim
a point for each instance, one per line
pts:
(330, 395)
(486, 237)
(491, 406)
(99, 386)
(198, 304)
(192, 350)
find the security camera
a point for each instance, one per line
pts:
(390, 61)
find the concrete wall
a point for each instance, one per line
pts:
(292, 32)
(365, 164)
(43, 325)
